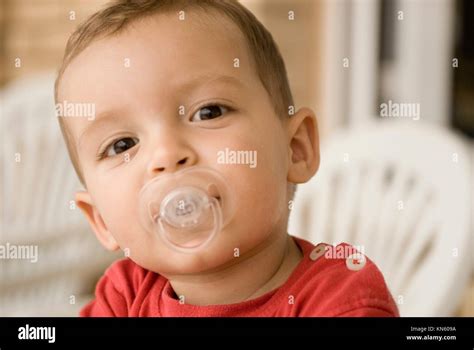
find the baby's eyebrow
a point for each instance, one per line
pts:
(102, 119)
(210, 78)
(107, 117)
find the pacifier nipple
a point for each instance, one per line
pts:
(186, 209)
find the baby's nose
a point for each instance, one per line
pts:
(169, 160)
(164, 165)
(169, 153)
(177, 165)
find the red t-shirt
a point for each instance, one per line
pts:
(321, 285)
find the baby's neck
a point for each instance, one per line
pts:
(258, 272)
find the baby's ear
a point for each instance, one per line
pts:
(84, 201)
(303, 146)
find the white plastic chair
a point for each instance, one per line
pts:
(38, 185)
(401, 190)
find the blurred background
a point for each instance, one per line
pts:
(392, 84)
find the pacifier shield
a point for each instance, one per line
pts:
(187, 209)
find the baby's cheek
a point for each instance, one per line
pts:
(262, 197)
(121, 217)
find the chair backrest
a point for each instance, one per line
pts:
(400, 190)
(38, 209)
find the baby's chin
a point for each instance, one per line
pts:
(179, 263)
(217, 255)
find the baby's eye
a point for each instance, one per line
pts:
(209, 112)
(120, 146)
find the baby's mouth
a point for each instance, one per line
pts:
(213, 192)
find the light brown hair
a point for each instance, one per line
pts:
(118, 15)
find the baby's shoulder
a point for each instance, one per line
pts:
(341, 278)
(344, 264)
(126, 273)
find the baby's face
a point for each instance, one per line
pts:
(140, 81)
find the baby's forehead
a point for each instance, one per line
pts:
(210, 24)
(163, 47)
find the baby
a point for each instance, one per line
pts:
(189, 165)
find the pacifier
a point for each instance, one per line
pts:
(186, 209)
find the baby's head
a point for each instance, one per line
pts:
(178, 84)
